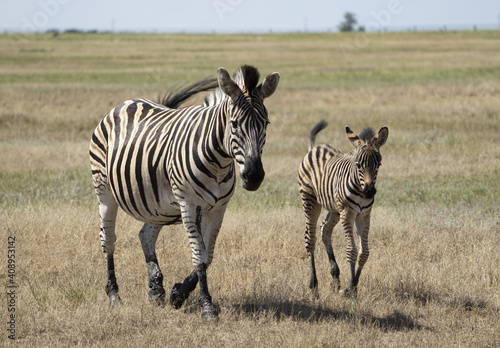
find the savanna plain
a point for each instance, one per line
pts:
(432, 278)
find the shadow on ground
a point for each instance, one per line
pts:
(423, 297)
(395, 321)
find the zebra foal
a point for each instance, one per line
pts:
(166, 166)
(343, 184)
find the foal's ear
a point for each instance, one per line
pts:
(353, 137)
(227, 85)
(381, 137)
(269, 85)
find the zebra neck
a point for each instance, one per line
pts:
(220, 132)
(354, 177)
(223, 125)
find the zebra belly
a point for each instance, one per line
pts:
(352, 202)
(357, 204)
(140, 200)
(166, 211)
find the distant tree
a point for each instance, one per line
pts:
(349, 22)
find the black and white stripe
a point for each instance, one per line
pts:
(343, 184)
(165, 166)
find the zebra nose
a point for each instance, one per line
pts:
(369, 190)
(253, 174)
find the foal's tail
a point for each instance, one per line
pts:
(316, 129)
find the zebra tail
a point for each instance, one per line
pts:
(174, 99)
(316, 129)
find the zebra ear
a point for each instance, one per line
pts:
(269, 85)
(353, 137)
(381, 137)
(227, 85)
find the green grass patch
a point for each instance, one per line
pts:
(72, 186)
(476, 190)
(274, 194)
(78, 292)
(39, 291)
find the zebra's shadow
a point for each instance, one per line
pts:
(281, 310)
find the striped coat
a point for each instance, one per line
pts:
(165, 166)
(344, 185)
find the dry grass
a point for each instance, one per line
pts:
(433, 275)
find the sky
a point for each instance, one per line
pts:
(235, 16)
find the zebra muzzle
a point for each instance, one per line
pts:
(369, 190)
(253, 174)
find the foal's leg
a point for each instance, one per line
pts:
(363, 227)
(326, 235)
(312, 210)
(347, 220)
(148, 236)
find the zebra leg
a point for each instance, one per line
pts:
(199, 253)
(312, 211)
(208, 312)
(363, 227)
(180, 292)
(347, 219)
(326, 235)
(111, 287)
(108, 209)
(210, 233)
(148, 236)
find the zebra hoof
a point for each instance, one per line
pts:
(349, 292)
(336, 286)
(314, 294)
(176, 298)
(209, 314)
(114, 299)
(157, 296)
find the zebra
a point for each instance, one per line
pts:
(166, 166)
(343, 184)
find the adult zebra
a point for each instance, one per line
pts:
(343, 184)
(166, 166)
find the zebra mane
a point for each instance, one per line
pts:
(367, 134)
(247, 77)
(214, 98)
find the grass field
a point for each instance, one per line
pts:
(432, 278)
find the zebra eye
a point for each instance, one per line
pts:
(358, 165)
(234, 124)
